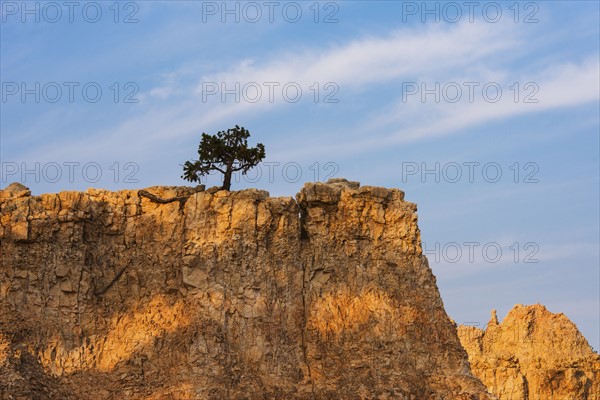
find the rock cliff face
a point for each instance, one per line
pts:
(222, 295)
(533, 355)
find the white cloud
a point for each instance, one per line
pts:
(561, 86)
(407, 52)
(461, 52)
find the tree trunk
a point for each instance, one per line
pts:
(227, 179)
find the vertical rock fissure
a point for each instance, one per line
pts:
(28, 219)
(304, 325)
(525, 387)
(226, 348)
(78, 291)
(303, 237)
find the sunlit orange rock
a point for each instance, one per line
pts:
(533, 355)
(222, 295)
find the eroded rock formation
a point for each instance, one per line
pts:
(533, 355)
(225, 295)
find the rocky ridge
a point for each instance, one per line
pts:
(533, 355)
(222, 295)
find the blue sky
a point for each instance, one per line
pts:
(500, 103)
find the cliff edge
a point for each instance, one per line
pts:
(222, 295)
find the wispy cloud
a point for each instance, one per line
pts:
(407, 52)
(172, 110)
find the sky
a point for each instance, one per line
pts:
(487, 115)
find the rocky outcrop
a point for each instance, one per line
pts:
(222, 295)
(533, 355)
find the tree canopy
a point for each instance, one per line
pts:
(226, 152)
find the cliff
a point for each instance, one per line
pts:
(533, 355)
(222, 295)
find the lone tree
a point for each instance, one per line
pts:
(226, 152)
